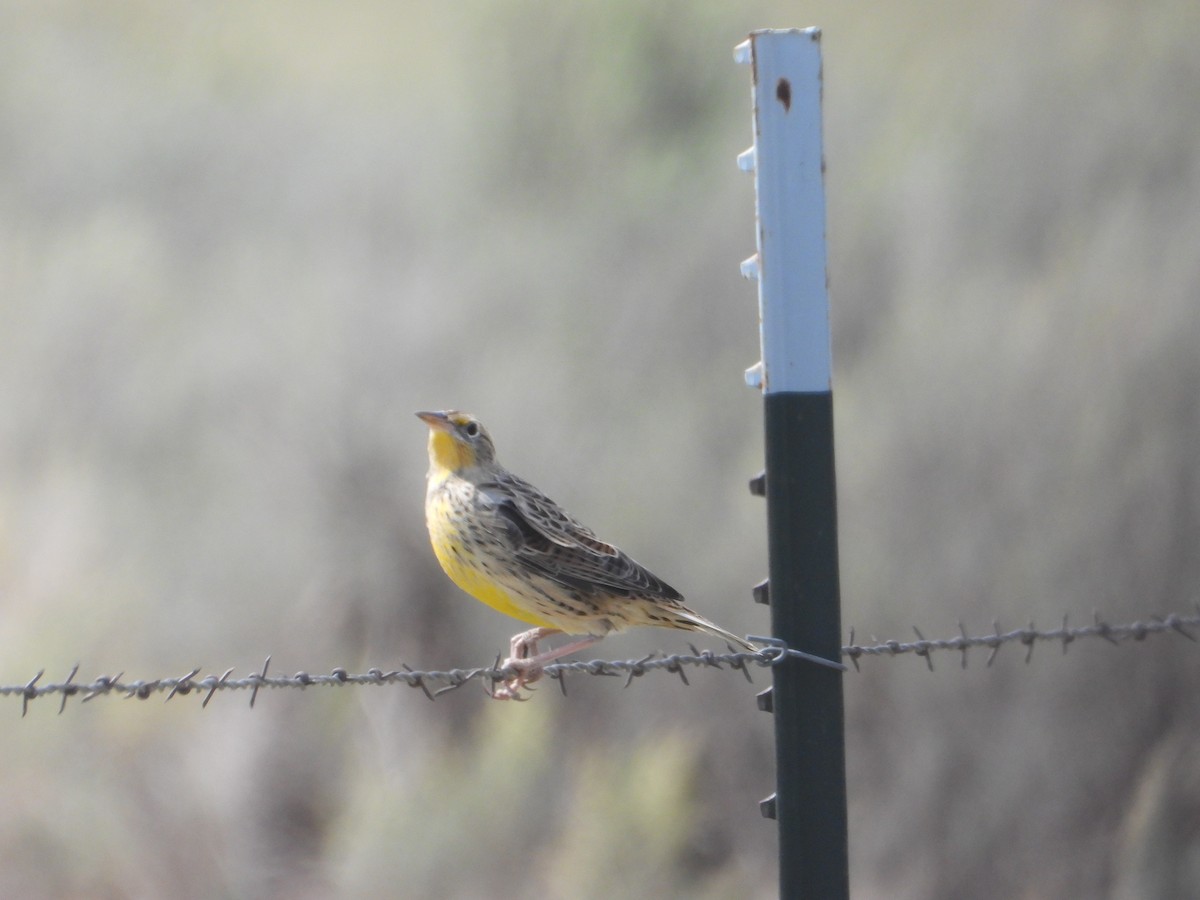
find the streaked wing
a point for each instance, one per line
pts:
(554, 544)
(545, 515)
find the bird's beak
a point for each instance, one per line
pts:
(436, 420)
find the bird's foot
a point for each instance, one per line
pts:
(528, 671)
(529, 664)
(525, 659)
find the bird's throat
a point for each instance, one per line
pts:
(446, 454)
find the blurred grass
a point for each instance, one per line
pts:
(239, 245)
(589, 822)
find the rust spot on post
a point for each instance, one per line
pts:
(783, 93)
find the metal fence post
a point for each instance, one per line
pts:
(809, 803)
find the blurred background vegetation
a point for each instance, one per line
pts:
(241, 243)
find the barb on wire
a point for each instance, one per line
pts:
(772, 652)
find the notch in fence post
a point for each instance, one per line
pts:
(796, 381)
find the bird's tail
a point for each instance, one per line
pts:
(697, 622)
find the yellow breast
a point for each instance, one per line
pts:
(446, 512)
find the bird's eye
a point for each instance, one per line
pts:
(471, 429)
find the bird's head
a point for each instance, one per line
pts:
(457, 440)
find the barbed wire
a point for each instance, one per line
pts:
(434, 683)
(1029, 636)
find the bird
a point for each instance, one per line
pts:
(510, 546)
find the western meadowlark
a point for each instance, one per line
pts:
(507, 544)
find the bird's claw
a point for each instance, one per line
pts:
(526, 675)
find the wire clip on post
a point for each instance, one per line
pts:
(783, 653)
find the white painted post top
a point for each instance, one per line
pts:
(787, 159)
